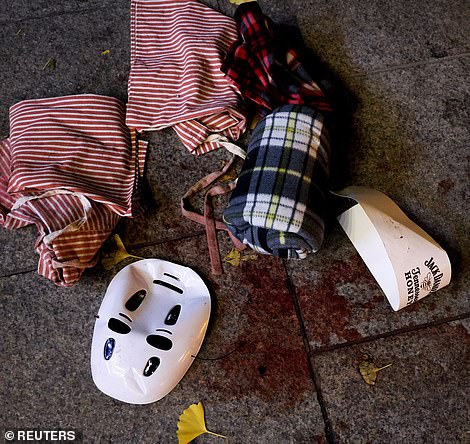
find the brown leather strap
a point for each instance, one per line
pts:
(207, 219)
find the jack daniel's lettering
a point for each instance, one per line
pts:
(412, 285)
(436, 272)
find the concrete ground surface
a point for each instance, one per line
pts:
(279, 363)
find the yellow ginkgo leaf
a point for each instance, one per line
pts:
(50, 64)
(239, 2)
(235, 258)
(369, 371)
(191, 424)
(115, 253)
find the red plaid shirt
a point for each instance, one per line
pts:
(265, 69)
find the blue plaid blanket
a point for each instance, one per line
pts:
(278, 205)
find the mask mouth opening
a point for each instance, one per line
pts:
(151, 366)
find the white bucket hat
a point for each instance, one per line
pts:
(407, 263)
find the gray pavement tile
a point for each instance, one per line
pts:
(283, 13)
(341, 302)
(22, 10)
(422, 398)
(362, 36)
(367, 35)
(18, 250)
(259, 389)
(410, 143)
(76, 42)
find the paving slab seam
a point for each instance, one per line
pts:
(329, 432)
(18, 272)
(131, 249)
(390, 68)
(56, 14)
(141, 245)
(389, 334)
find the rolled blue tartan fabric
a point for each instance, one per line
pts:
(278, 205)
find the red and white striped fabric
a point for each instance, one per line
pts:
(76, 143)
(6, 201)
(70, 168)
(177, 49)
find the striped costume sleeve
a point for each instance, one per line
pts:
(177, 48)
(70, 167)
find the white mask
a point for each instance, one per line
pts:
(149, 328)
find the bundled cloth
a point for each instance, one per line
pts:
(70, 166)
(266, 68)
(177, 49)
(278, 204)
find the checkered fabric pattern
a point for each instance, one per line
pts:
(265, 69)
(278, 204)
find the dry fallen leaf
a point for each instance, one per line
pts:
(105, 52)
(191, 424)
(51, 64)
(254, 121)
(115, 253)
(231, 174)
(369, 371)
(239, 2)
(235, 258)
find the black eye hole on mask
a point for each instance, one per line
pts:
(151, 366)
(159, 342)
(173, 315)
(118, 326)
(133, 303)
